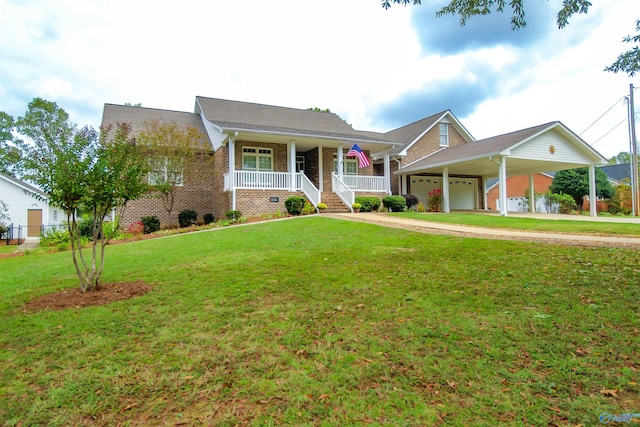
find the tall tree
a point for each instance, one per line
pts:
(628, 62)
(76, 167)
(575, 183)
(622, 158)
(10, 147)
(171, 148)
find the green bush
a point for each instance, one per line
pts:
(295, 205)
(207, 218)
(85, 226)
(151, 224)
(394, 203)
(187, 218)
(369, 203)
(233, 216)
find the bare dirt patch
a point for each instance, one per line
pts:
(75, 298)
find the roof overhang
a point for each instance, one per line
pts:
(306, 142)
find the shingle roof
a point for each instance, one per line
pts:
(617, 172)
(484, 147)
(23, 184)
(137, 116)
(410, 132)
(246, 116)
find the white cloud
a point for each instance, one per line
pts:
(349, 56)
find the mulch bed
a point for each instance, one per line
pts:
(75, 298)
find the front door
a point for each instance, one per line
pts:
(34, 222)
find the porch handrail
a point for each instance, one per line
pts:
(308, 188)
(258, 180)
(366, 183)
(342, 190)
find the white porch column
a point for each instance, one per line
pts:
(532, 195)
(320, 171)
(484, 194)
(231, 146)
(387, 173)
(593, 201)
(403, 184)
(292, 164)
(503, 186)
(445, 190)
(339, 159)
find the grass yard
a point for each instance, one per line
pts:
(530, 224)
(314, 321)
(7, 249)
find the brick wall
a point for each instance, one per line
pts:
(430, 142)
(195, 194)
(222, 199)
(257, 202)
(517, 186)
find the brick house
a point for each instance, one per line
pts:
(254, 156)
(517, 187)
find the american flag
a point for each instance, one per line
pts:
(355, 151)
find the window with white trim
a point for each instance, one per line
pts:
(444, 135)
(349, 166)
(257, 159)
(167, 170)
(299, 163)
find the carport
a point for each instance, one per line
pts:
(548, 147)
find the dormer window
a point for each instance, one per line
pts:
(444, 135)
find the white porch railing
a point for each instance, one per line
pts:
(342, 190)
(310, 190)
(365, 183)
(258, 180)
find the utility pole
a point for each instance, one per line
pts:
(633, 143)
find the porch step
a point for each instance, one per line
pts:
(334, 203)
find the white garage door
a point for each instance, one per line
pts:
(463, 192)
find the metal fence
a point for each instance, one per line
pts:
(17, 234)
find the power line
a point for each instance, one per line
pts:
(611, 130)
(610, 108)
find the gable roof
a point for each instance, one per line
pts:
(237, 116)
(137, 116)
(409, 134)
(25, 186)
(500, 145)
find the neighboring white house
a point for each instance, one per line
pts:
(27, 206)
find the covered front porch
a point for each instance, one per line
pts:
(303, 166)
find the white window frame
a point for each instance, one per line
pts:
(257, 152)
(162, 168)
(444, 134)
(346, 165)
(300, 163)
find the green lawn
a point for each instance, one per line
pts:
(532, 224)
(7, 249)
(315, 321)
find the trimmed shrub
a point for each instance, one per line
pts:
(411, 200)
(233, 216)
(295, 204)
(308, 208)
(369, 203)
(151, 224)
(187, 218)
(394, 203)
(207, 218)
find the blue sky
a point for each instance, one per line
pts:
(377, 69)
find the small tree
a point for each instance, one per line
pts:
(171, 147)
(575, 182)
(77, 167)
